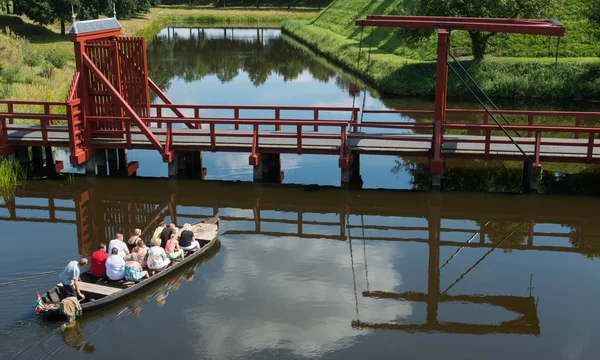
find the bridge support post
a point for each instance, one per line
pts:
(90, 167)
(100, 160)
(532, 174)
(351, 175)
(268, 169)
(37, 157)
(52, 167)
(22, 156)
(113, 166)
(122, 160)
(437, 174)
(187, 165)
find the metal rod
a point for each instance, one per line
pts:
(481, 90)
(488, 111)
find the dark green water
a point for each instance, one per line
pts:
(309, 271)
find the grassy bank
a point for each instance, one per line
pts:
(19, 37)
(517, 66)
(500, 77)
(578, 40)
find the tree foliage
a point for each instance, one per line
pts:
(46, 12)
(592, 11)
(481, 8)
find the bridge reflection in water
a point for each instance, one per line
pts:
(440, 220)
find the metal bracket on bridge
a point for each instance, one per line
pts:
(132, 168)
(254, 159)
(345, 161)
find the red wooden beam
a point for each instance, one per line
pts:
(132, 114)
(515, 26)
(167, 101)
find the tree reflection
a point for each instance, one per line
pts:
(197, 56)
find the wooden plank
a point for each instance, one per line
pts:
(96, 289)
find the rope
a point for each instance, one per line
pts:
(362, 111)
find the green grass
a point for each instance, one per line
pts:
(397, 68)
(21, 81)
(578, 41)
(11, 175)
(17, 35)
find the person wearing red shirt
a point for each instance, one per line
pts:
(98, 263)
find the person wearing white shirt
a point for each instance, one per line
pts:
(115, 265)
(119, 244)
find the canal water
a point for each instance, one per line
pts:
(307, 271)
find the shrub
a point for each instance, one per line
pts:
(31, 56)
(57, 58)
(10, 75)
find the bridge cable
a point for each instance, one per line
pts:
(480, 89)
(556, 55)
(352, 264)
(481, 259)
(362, 110)
(362, 220)
(362, 30)
(488, 111)
(462, 247)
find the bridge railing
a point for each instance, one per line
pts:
(26, 113)
(533, 129)
(299, 135)
(236, 112)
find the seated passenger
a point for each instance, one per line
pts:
(187, 241)
(115, 265)
(132, 242)
(141, 251)
(133, 269)
(172, 249)
(98, 262)
(158, 231)
(157, 258)
(165, 235)
(119, 244)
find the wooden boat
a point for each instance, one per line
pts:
(99, 293)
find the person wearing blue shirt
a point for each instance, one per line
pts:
(70, 279)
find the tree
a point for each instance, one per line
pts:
(481, 8)
(46, 12)
(592, 11)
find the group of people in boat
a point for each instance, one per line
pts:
(132, 260)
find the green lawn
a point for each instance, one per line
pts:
(517, 66)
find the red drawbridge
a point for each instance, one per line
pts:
(108, 107)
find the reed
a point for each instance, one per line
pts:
(12, 174)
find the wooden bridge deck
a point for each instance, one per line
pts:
(285, 142)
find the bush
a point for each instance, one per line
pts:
(31, 56)
(47, 71)
(57, 58)
(10, 75)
